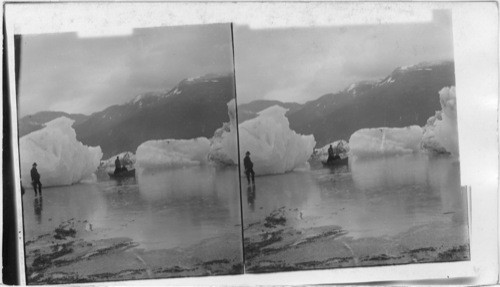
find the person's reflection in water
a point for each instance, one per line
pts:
(38, 206)
(251, 197)
(121, 182)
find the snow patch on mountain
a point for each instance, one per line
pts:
(137, 99)
(358, 88)
(176, 91)
(351, 87)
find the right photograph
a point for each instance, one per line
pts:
(348, 146)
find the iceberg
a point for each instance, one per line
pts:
(60, 158)
(340, 147)
(441, 131)
(376, 142)
(274, 148)
(223, 145)
(172, 153)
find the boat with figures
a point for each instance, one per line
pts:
(338, 162)
(122, 174)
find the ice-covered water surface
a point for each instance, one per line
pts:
(60, 158)
(373, 198)
(161, 209)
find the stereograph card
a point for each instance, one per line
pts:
(301, 143)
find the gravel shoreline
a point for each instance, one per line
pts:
(64, 256)
(274, 245)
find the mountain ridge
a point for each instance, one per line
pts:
(407, 96)
(194, 107)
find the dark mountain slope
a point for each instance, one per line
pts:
(194, 108)
(408, 96)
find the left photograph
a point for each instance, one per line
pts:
(128, 163)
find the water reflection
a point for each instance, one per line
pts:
(370, 198)
(251, 197)
(376, 174)
(186, 204)
(296, 189)
(38, 207)
(427, 178)
(159, 209)
(197, 193)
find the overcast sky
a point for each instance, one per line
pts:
(302, 64)
(62, 72)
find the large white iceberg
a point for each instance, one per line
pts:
(172, 153)
(441, 131)
(60, 158)
(273, 146)
(385, 141)
(223, 145)
(340, 147)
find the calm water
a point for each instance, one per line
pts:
(161, 209)
(380, 197)
(177, 208)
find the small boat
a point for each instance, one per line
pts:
(122, 174)
(336, 162)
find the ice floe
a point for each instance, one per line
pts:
(274, 148)
(60, 158)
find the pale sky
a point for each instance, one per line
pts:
(62, 72)
(302, 64)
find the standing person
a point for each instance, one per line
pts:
(247, 162)
(35, 180)
(330, 154)
(118, 165)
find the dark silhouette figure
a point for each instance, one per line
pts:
(330, 151)
(251, 197)
(118, 165)
(35, 180)
(38, 206)
(332, 156)
(248, 164)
